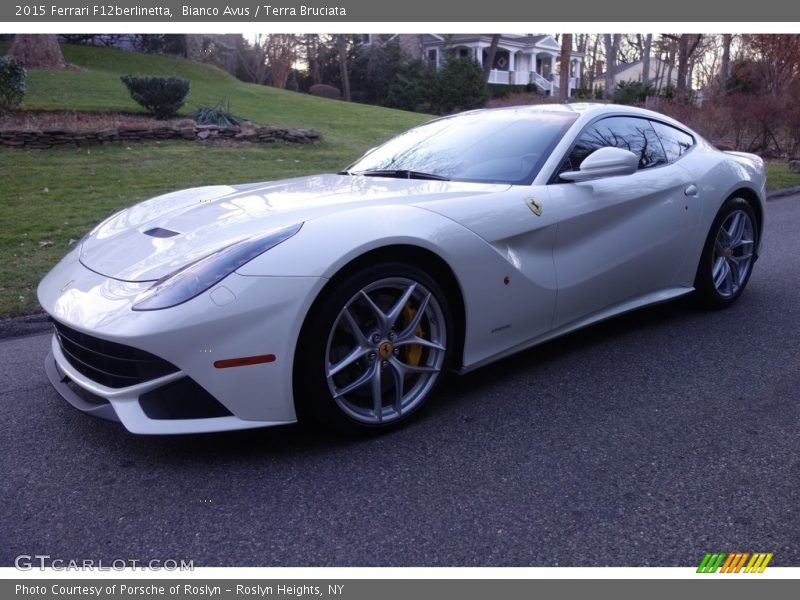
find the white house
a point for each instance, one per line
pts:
(660, 75)
(519, 59)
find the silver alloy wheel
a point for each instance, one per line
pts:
(385, 350)
(733, 253)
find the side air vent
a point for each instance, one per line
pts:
(181, 399)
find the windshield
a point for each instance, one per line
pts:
(497, 146)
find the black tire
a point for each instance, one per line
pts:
(714, 294)
(327, 341)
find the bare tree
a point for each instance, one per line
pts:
(312, 57)
(341, 45)
(582, 47)
(778, 56)
(489, 62)
(591, 65)
(253, 59)
(646, 44)
(687, 44)
(629, 48)
(725, 68)
(611, 45)
(37, 51)
(668, 46)
(566, 51)
(281, 50)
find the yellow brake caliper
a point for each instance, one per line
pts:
(413, 352)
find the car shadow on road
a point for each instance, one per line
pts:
(636, 322)
(305, 440)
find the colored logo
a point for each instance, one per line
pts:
(734, 562)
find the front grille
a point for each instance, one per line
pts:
(108, 363)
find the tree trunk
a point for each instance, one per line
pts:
(566, 50)
(611, 44)
(583, 42)
(489, 62)
(687, 44)
(659, 73)
(341, 44)
(683, 62)
(670, 61)
(37, 51)
(725, 69)
(312, 56)
(592, 73)
(648, 42)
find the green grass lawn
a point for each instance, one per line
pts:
(780, 177)
(57, 195)
(49, 197)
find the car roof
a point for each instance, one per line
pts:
(581, 108)
(587, 111)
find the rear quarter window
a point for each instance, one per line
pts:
(676, 143)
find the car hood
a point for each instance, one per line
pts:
(154, 238)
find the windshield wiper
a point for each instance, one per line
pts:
(402, 174)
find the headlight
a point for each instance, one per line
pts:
(195, 278)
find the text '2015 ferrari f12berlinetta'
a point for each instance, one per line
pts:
(343, 298)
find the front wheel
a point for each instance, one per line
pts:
(373, 349)
(727, 260)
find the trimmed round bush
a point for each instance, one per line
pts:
(12, 83)
(161, 96)
(325, 91)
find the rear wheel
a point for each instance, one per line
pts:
(373, 350)
(728, 256)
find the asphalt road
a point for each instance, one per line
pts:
(647, 440)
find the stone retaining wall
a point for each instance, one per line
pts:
(51, 138)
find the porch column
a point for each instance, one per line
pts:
(578, 65)
(479, 55)
(552, 67)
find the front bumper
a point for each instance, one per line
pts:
(257, 315)
(122, 405)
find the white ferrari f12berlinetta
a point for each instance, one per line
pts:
(343, 298)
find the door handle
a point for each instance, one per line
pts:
(691, 190)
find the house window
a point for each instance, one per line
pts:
(433, 55)
(463, 53)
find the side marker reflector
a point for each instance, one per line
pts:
(244, 361)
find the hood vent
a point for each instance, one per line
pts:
(160, 232)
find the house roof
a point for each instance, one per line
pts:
(520, 41)
(621, 68)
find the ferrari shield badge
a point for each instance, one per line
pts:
(535, 207)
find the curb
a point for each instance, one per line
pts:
(34, 324)
(784, 192)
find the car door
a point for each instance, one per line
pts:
(620, 237)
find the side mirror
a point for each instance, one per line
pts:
(604, 162)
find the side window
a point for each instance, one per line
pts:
(676, 143)
(628, 133)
